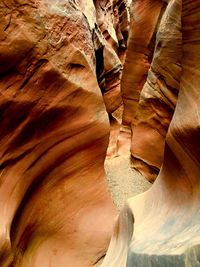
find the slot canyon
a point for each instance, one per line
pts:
(100, 133)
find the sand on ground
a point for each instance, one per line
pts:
(123, 182)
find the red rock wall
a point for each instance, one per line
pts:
(161, 226)
(144, 19)
(113, 22)
(54, 206)
(150, 83)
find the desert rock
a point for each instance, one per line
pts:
(54, 204)
(161, 226)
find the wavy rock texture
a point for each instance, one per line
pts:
(161, 227)
(149, 101)
(54, 206)
(145, 18)
(158, 97)
(113, 22)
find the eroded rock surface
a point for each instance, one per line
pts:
(54, 206)
(158, 97)
(113, 22)
(150, 82)
(161, 227)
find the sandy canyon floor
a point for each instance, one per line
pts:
(123, 182)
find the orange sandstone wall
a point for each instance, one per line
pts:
(151, 81)
(161, 226)
(54, 205)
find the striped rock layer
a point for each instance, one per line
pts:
(113, 22)
(54, 206)
(151, 81)
(161, 227)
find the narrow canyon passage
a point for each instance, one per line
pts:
(161, 226)
(99, 127)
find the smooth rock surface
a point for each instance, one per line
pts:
(150, 81)
(113, 22)
(158, 96)
(54, 205)
(161, 226)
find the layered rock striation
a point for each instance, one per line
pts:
(150, 82)
(54, 205)
(161, 226)
(113, 22)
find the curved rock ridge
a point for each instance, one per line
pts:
(145, 19)
(113, 22)
(150, 81)
(161, 226)
(54, 205)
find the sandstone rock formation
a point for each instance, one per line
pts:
(145, 17)
(54, 205)
(113, 22)
(149, 112)
(161, 227)
(60, 71)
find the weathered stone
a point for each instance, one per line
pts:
(144, 18)
(149, 92)
(158, 97)
(113, 22)
(54, 205)
(161, 226)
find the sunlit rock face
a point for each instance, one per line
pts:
(158, 97)
(54, 206)
(161, 227)
(151, 80)
(144, 20)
